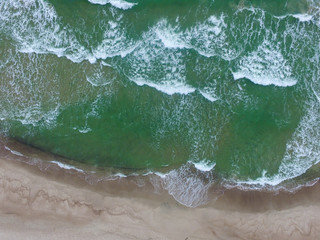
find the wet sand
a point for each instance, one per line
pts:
(37, 204)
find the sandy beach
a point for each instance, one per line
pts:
(37, 204)
(159, 120)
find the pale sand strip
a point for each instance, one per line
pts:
(36, 206)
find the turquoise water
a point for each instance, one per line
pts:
(231, 87)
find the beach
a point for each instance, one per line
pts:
(159, 119)
(39, 204)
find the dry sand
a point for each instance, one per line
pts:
(41, 205)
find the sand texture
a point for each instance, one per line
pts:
(37, 205)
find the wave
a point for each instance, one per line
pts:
(121, 4)
(37, 28)
(303, 17)
(209, 94)
(67, 166)
(13, 151)
(33, 115)
(169, 87)
(159, 62)
(265, 66)
(302, 152)
(190, 184)
(204, 165)
(188, 187)
(157, 58)
(207, 38)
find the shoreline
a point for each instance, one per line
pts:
(55, 204)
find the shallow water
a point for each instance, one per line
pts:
(231, 86)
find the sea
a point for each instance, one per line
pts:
(200, 93)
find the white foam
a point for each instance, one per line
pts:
(265, 66)
(109, 49)
(85, 130)
(121, 4)
(161, 175)
(186, 187)
(263, 181)
(169, 88)
(34, 115)
(264, 80)
(208, 38)
(303, 17)
(147, 173)
(315, 94)
(38, 29)
(14, 152)
(217, 28)
(35, 47)
(302, 151)
(209, 96)
(171, 37)
(204, 165)
(157, 66)
(115, 41)
(66, 166)
(106, 64)
(120, 175)
(97, 79)
(30, 100)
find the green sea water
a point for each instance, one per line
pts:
(232, 87)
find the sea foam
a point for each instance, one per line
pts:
(14, 152)
(186, 187)
(121, 4)
(265, 66)
(37, 28)
(303, 17)
(302, 152)
(169, 88)
(204, 165)
(209, 95)
(207, 38)
(66, 166)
